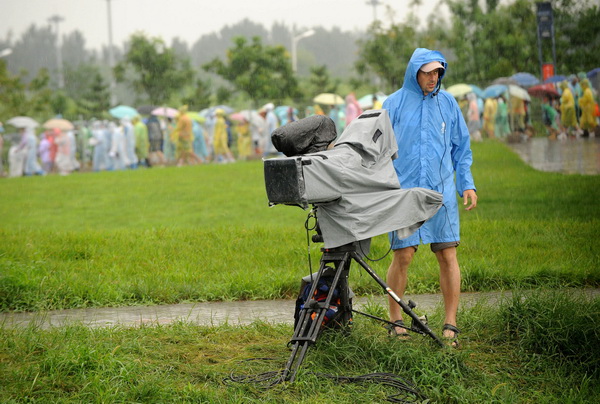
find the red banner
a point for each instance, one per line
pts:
(547, 70)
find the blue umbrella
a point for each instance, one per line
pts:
(228, 110)
(525, 79)
(211, 111)
(366, 102)
(494, 91)
(478, 91)
(123, 111)
(593, 72)
(555, 79)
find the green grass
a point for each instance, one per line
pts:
(542, 349)
(206, 233)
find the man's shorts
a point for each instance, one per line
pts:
(435, 247)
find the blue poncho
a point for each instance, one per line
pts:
(433, 145)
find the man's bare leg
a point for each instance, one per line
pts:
(450, 285)
(397, 278)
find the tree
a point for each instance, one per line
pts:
(320, 81)
(492, 43)
(385, 53)
(262, 72)
(200, 97)
(577, 35)
(96, 101)
(17, 98)
(157, 71)
(35, 50)
(499, 41)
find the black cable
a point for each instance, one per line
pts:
(308, 228)
(377, 259)
(406, 391)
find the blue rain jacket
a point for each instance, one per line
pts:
(433, 149)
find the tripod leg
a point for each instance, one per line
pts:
(424, 328)
(311, 317)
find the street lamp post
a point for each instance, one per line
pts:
(374, 3)
(111, 57)
(57, 19)
(295, 40)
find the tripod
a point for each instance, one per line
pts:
(309, 325)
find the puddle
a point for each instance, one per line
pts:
(569, 156)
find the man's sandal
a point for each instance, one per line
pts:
(394, 332)
(452, 341)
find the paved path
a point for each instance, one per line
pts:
(217, 313)
(211, 313)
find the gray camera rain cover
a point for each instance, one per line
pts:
(356, 189)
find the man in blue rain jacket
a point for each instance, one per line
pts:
(434, 152)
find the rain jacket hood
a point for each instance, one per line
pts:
(433, 148)
(420, 57)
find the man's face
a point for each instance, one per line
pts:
(428, 81)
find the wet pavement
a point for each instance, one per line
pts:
(568, 156)
(218, 313)
(208, 314)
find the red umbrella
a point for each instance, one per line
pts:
(543, 90)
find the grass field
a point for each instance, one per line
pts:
(206, 233)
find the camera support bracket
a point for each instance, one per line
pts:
(309, 327)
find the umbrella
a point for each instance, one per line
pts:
(525, 79)
(459, 90)
(228, 110)
(328, 99)
(248, 115)
(58, 123)
(23, 122)
(555, 79)
(543, 90)
(238, 116)
(505, 80)
(146, 109)
(478, 91)
(495, 90)
(367, 101)
(211, 111)
(518, 92)
(196, 117)
(123, 111)
(167, 112)
(593, 72)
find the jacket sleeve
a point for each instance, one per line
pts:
(462, 157)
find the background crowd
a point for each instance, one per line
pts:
(567, 108)
(148, 136)
(138, 138)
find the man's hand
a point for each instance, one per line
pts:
(470, 194)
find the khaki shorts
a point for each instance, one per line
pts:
(435, 247)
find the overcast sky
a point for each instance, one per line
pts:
(189, 19)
